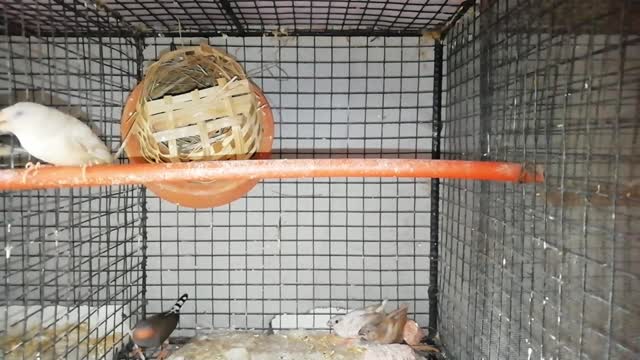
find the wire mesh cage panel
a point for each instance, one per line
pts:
(257, 17)
(72, 264)
(549, 271)
(494, 270)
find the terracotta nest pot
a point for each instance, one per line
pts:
(198, 194)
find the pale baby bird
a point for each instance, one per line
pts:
(349, 324)
(53, 136)
(387, 329)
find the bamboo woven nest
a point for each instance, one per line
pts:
(230, 137)
(197, 104)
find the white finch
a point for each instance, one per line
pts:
(349, 324)
(53, 136)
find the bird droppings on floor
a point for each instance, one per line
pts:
(289, 345)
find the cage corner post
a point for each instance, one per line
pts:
(139, 44)
(142, 192)
(435, 191)
(228, 10)
(481, 242)
(142, 228)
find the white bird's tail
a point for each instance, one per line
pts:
(175, 309)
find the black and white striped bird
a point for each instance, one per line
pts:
(154, 331)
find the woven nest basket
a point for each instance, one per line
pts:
(197, 104)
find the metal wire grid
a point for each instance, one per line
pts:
(296, 17)
(293, 245)
(62, 17)
(559, 251)
(552, 270)
(198, 17)
(72, 268)
(377, 15)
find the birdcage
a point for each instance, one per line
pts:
(489, 269)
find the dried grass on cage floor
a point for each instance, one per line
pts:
(291, 345)
(54, 343)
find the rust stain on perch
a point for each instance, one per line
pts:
(64, 177)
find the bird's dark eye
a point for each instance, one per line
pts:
(19, 113)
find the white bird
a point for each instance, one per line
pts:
(349, 324)
(53, 136)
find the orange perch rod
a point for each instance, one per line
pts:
(50, 177)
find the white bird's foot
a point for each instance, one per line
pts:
(84, 172)
(31, 165)
(30, 168)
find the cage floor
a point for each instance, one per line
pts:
(290, 336)
(296, 344)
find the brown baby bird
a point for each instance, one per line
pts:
(386, 329)
(155, 330)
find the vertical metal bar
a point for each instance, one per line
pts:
(142, 192)
(228, 9)
(435, 190)
(615, 178)
(139, 39)
(483, 214)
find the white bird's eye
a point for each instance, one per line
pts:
(18, 113)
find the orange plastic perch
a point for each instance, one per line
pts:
(46, 177)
